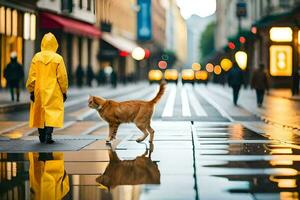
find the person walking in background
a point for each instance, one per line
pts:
(79, 76)
(235, 80)
(101, 78)
(113, 78)
(14, 74)
(260, 83)
(47, 83)
(89, 76)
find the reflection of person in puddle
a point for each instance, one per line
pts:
(48, 178)
(141, 170)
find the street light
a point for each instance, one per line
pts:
(241, 59)
(138, 53)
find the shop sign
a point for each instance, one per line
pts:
(144, 23)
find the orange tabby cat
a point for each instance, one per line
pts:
(136, 111)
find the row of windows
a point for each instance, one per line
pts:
(67, 5)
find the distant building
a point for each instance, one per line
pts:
(195, 26)
(176, 32)
(118, 23)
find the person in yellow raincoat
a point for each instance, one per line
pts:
(47, 176)
(47, 83)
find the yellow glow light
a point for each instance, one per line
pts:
(202, 75)
(138, 53)
(2, 20)
(32, 26)
(241, 59)
(14, 22)
(281, 34)
(217, 70)
(8, 21)
(196, 66)
(226, 64)
(281, 60)
(187, 74)
(155, 75)
(26, 33)
(209, 67)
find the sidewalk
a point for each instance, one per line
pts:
(276, 110)
(284, 93)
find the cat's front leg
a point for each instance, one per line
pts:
(113, 128)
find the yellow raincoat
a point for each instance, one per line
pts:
(48, 80)
(48, 179)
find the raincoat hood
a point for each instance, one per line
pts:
(49, 43)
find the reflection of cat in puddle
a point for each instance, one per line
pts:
(141, 170)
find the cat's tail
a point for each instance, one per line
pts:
(161, 91)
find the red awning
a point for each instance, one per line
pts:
(52, 21)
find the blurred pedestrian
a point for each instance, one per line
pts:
(260, 83)
(235, 80)
(47, 83)
(101, 78)
(113, 78)
(90, 75)
(14, 74)
(79, 76)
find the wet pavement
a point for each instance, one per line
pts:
(206, 152)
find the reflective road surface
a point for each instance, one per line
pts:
(204, 148)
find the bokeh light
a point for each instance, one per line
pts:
(162, 64)
(209, 67)
(138, 53)
(201, 75)
(241, 59)
(217, 70)
(196, 66)
(226, 64)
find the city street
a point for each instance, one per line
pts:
(203, 145)
(204, 100)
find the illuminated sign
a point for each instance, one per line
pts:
(281, 60)
(281, 34)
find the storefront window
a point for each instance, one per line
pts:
(26, 32)
(15, 23)
(281, 34)
(8, 21)
(32, 26)
(2, 20)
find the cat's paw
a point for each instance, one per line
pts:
(139, 140)
(108, 140)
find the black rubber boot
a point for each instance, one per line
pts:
(42, 135)
(49, 131)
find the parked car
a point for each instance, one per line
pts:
(171, 75)
(155, 76)
(187, 76)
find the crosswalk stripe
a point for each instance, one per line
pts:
(168, 110)
(198, 108)
(186, 112)
(205, 94)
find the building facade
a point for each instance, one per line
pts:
(17, 33)
(72, 22)
(117, 20)
(264, 20)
